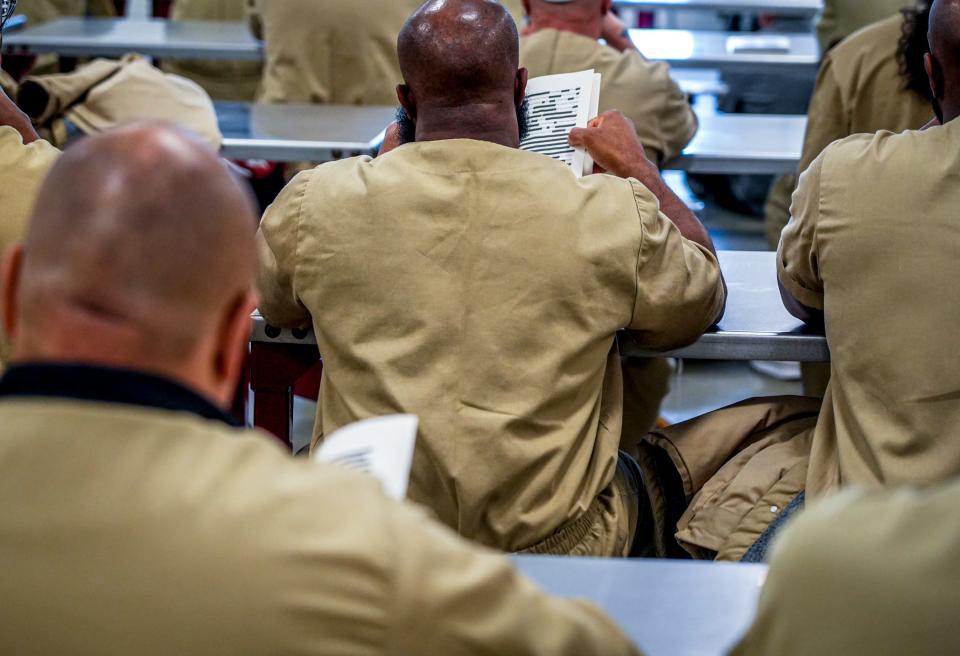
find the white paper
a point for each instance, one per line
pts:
(556, 105)
(382, 447)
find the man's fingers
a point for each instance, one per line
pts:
(579, 137)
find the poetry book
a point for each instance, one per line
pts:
(556, 104)
(381, 447)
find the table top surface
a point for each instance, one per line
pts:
(727, 49)
(725, 143)
(755, 327)
(669, 608)
(232, 40)
(779, 7)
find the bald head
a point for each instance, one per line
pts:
(140, 248)
(943, 62)
(459, 60)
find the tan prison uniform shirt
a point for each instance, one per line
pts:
(107, 93)
(223, 80)
(22, 169)
(865, 575)
(41, 11)
(859, 89)
(842, 18)
(874, 241)
(641, 89)
(481, 288)
(129, 530)
(330, 51)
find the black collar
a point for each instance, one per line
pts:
(104, 385)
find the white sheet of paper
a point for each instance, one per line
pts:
(382, 447)
(557, 104)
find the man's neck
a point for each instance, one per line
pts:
(482, 122)
(591, 28)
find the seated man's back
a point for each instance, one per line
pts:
(872, 237)
(871, 574)
(482, 287)
(136, 519)
(330, 51)
(562, 38)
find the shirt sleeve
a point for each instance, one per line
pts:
(680, 291)
(277, 241)
(22, 169)
(455, 598)
(797, 259)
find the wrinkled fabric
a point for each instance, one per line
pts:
(641, 89)
(129, 530)
(864, 574)
(872, 242)
(481, 288)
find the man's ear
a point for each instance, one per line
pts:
(10, 288)
(520, 86)
(935, 75)
(407, 100)
(233, 344)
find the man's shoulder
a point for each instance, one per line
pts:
(871, 48)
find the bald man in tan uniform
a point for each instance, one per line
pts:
(330, 51)
(884, 584)
(136, 519)
(873, 224)
(563, 38)
(223, 80)
(481, 287)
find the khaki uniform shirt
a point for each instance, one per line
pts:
(873, 242)
(41, 11)
(330, 51)
(129, 530)
(641, 89)
(22, 169)
(864, 575)
(223, 80)
(841, 18)
(442, 280)
(106, 93)
(515, 7)
(859, 89)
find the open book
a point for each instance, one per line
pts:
(381, 447)
(557, 104)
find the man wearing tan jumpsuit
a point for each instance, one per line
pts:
(864, 574)
(481, 287)
(330, 51)
(223, 80)
(562, 37)
(136, 519)
(24, 161)
(870, 251)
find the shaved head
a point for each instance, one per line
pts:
(943, 62)
(459, 49)
(460, 59)
(139, 252)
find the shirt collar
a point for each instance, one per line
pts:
(105, 385)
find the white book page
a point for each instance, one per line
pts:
(382, 447)
(557, 104)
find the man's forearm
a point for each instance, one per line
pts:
(672, 207)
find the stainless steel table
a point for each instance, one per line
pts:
(292, 133)
(725, 143)
(728, 50)
(668, 608)
(756, 325)
(744, 144)
(114, 37)
(778, 7)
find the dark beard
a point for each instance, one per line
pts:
(408, 127)
(938, 110)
